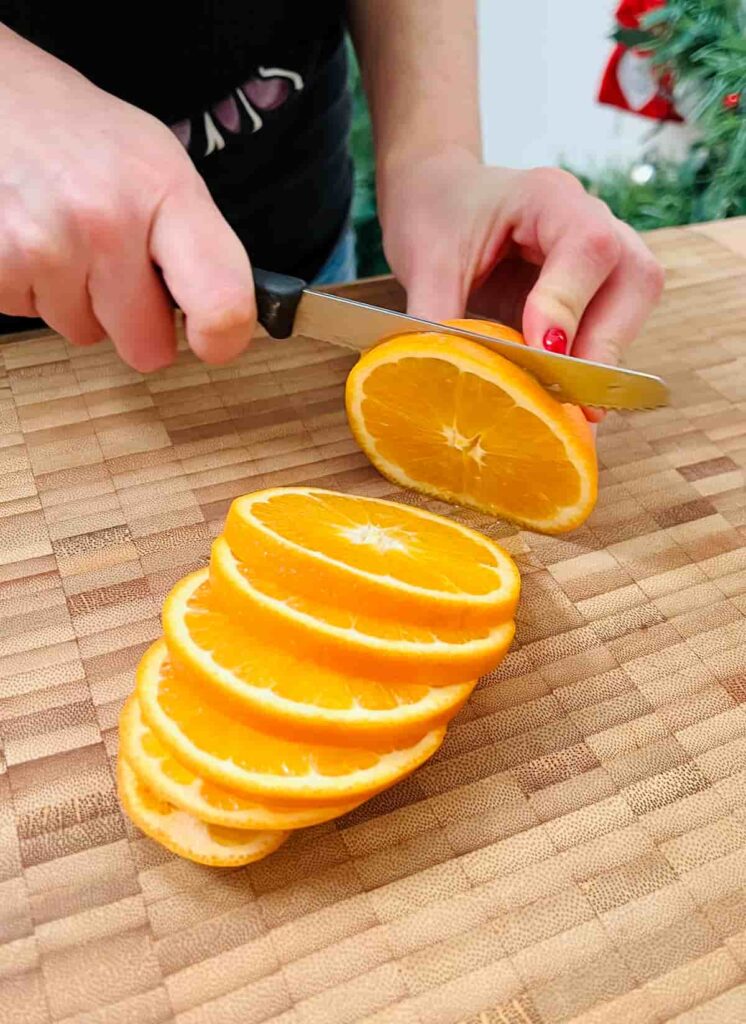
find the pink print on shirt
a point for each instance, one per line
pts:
(243, 108)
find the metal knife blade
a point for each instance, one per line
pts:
(356, 325)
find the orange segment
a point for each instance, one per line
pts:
(293, 696)
(208, 737)
(351, 640)
(171, 781)
(396, 561)
(186, 835)
(453, 419)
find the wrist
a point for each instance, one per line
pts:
(414, 155)
(408, 168)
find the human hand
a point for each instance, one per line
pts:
(96, 197)
(529, 248)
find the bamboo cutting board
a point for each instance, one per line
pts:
(577, 850)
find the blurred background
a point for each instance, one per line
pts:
(645, 100)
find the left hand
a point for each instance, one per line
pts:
(529, 248)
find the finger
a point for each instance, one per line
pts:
(71, 316)
(619, 310)
(435, 286)
(56, 283)
(594, 417)
(617, 313)
(15, 301)
(63, 302)
(208, 273)
(577, 265)
(131, 304)
(16, 294)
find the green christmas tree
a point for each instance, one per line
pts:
(371, 260)
(702, 43)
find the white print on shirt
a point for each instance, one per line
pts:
(214, 139)
(269, 90)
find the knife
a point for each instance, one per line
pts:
(286, 306)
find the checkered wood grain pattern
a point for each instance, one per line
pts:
(576, 851)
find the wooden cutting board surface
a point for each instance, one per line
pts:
(576, 851)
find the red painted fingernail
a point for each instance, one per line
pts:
(555, 340)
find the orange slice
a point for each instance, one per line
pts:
(170, 781)
(393, 560)
(294, 696)
(186, 835)
(351, 640)
(488, 327)
(209, 738)
(451, 418)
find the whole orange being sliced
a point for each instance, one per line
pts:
(186, 835)
(351, 640)
(291, 695)
(172, 782)
(392, 560)
(208, 737)
(453, 419)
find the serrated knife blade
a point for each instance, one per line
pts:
(355, 325)
(286, 306)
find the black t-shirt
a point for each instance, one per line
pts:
(256, 91)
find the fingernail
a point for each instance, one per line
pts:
(555, 340)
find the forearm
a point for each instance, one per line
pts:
(16, 55)
(419, 64)
(27, 71)
(16, 52)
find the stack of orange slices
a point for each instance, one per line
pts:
(315, 663)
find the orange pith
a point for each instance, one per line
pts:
(186, 835)
(171, 781)
(394, 561)
(206, 736)
(293, 696)
(453, 419)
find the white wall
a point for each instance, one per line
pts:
(541, 63)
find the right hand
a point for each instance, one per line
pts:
(95, 195)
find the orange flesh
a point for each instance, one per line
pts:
(383, 541)
(226, 836)
(213, 729)
(273, 667)
(153, 803)
(155, 765)
(464, 435)
(438, 423)
(390, 650)
(219, 833)
(219, 797)
(263, 579)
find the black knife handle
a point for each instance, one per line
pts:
(277, 299)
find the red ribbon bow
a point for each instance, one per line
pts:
(630, 82)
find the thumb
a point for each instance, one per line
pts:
(207, 271)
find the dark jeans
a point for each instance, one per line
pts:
(14, 324)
